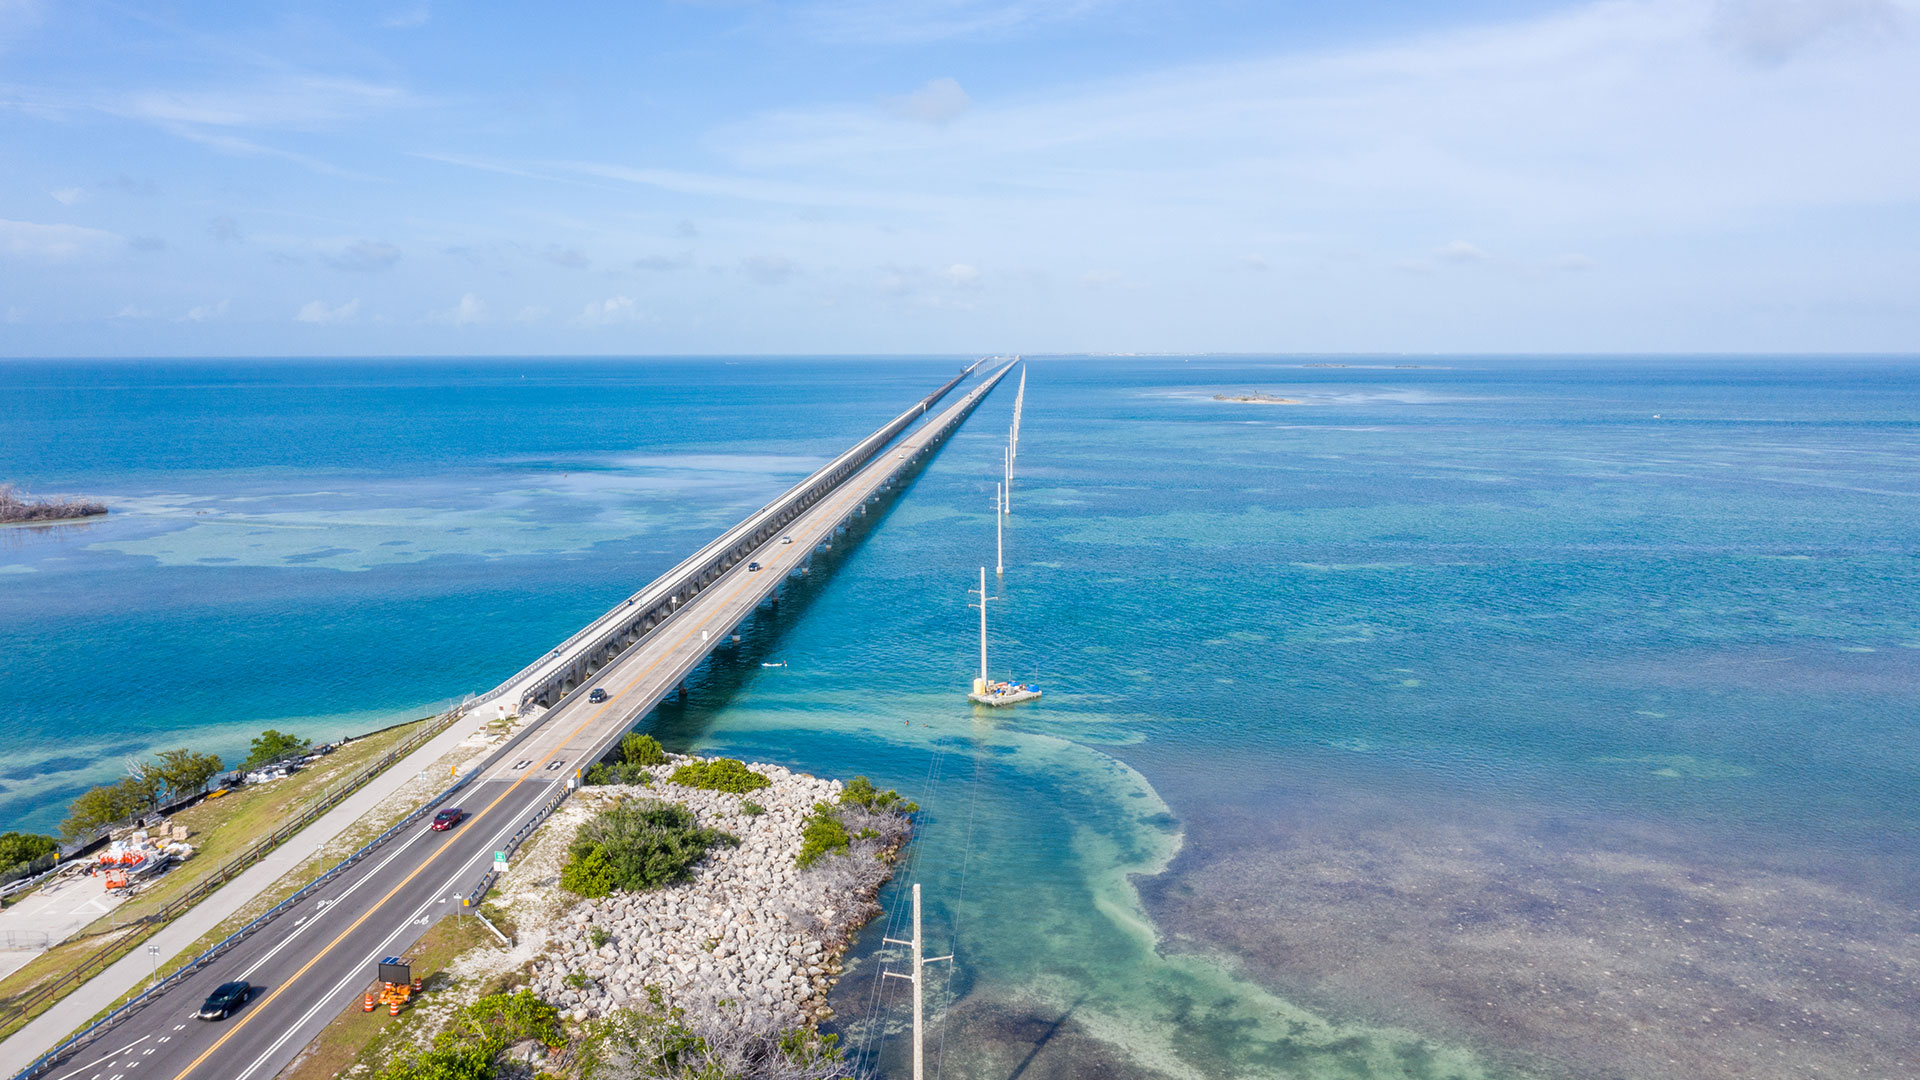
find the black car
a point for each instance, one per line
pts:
(225, 999)
(752, 567)
(597, 696)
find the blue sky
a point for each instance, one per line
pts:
(959, 176)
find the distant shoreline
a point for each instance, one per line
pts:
(41, 523)
(17, 508)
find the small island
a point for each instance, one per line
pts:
(1258, 398)
(18, 508)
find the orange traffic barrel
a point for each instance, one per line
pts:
(393, 1007)
(367, 1005)
(416, 984)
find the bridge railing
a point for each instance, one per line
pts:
(701, 562)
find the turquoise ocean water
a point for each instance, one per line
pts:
(1483, 717)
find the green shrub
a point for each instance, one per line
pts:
(470, 1048)
(106, 804)
(589, 875)
(510, 1018)
(598, 935)
(19, 847)
(642, 750)
(821, 835)
(456, 1061)
(619, 772)
(635, 846)
(751, 808)
(721, 774)
(861, 792)
(273, 745)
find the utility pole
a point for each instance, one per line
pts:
(980, 684)
(919, 963)
(999, 535)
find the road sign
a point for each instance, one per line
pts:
(499, 862)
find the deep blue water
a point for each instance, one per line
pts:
(1667, 606)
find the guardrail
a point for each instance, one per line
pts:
(101, 1026)
(690, 573)
(106, 1023)
(540, 815)
(106, 954)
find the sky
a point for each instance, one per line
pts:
(419, 177)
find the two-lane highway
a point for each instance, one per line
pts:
(314, 957)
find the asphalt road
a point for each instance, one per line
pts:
(318, 959)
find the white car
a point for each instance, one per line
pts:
(786, 539)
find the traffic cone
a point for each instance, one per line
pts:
(367, 1005)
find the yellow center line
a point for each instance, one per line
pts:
(531, 771)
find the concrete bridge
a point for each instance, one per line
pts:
(551, 677)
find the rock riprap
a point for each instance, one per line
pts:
(748, 926)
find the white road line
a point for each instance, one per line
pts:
(315, 920)
(104, 1058)
(327, 999)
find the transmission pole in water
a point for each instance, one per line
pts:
(980, 684)
(999, 534)
(920, 962)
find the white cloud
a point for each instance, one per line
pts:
(664, 262)
(533, 313)
(224, 230)
(1772, 31)
(1624, 111)
(470, 310)
(364, 256)
(1255, 263)
(132, 312)
(907, 22)
(769, 269)
(570, 258)
(1462, 252)
(939, 102)
(296, 103)
(613, 311)
(16, 314)
(317, 311)
(204, 312)
(68, 196)
(34, 240)
(961, 276)
(408, 17)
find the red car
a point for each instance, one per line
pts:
(447, 819)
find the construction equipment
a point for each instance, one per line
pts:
(397, 985)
